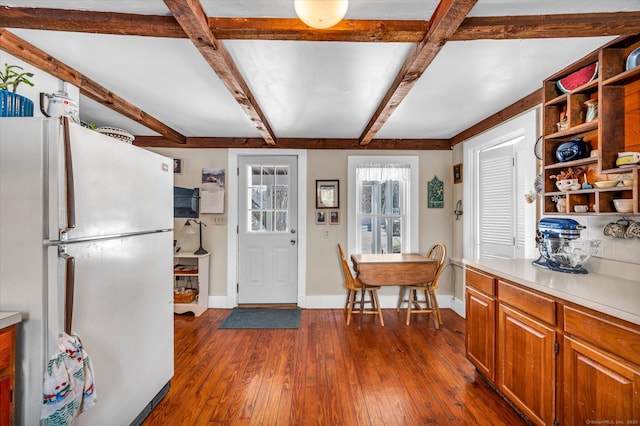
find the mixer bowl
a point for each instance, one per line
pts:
(568, 254)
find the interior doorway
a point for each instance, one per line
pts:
(260, 224)
(267, 229)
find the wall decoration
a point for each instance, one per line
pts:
(457, 173)
(435, 193)
(334, 217)
(177, 165)
(327, 194)
(212, 194)
(321, 217)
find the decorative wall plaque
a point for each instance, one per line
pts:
(435, 193)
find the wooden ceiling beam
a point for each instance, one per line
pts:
(525, 104)
(294, 29)
(445, 20)
(192, 19)
(19, 48)
(296, 143)
(548, 26)
(82, 21)
(407, 31)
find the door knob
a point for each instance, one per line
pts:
(293, 242)
(293, 231)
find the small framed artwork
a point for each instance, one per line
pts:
(327, 194)
(321, 217)
(457, 173)
(177, 165)
(334, 217)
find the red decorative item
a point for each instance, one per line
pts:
(578, 78)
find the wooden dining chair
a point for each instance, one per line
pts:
(354, 286)
(437, 252)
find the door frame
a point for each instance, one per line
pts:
(232, 219)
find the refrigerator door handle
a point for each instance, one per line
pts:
(69, 285)
(70, 188)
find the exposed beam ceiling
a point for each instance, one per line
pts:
(449, 22)
(445, 20)
(193, 20)
(19, 48)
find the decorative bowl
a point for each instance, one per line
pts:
(116, 133)
(568, 253)
(606, 183)
(623, 205)
(581, 208)
(627, 182)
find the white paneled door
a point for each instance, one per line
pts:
(267, 230)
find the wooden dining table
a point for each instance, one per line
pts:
(392, 270)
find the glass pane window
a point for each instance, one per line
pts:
(382, 197)
(269, 202)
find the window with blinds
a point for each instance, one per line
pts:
(501, 213)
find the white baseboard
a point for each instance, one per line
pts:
(337, 302)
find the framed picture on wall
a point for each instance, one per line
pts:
(177, 165)
(334, 217)
(457, 173)
(327, 194)
(321, 217)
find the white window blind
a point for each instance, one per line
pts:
(496, 194)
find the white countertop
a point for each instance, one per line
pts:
(603, 293)
(9, 318)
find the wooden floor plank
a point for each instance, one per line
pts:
(327, 373)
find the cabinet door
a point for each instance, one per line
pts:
(598, 387)
(526, 364)
(5, 400)
(480, 341)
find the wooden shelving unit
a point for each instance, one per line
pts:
(615, 129)
(193, 272)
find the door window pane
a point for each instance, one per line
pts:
(269, 203)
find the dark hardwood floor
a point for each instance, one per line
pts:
(327, 373)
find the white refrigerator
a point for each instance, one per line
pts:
(85, 212)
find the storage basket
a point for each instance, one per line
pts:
(184, 295)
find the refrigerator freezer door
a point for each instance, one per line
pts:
(117, 187)
(123, 314)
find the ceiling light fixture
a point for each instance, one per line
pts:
(321, 13)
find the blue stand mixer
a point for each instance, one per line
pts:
(560, 249)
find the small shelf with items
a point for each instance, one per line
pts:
(593, 103)
(191, 283)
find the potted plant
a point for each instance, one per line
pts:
(12, 104)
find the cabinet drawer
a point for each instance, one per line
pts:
(527, 301)
(603, 333)
(479, 281)
(5, 348)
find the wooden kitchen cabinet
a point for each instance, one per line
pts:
(557, 362)
(480, 342)
(601, 375)
(526, 364)
(7, 374)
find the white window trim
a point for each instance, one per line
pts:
(414, 219)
